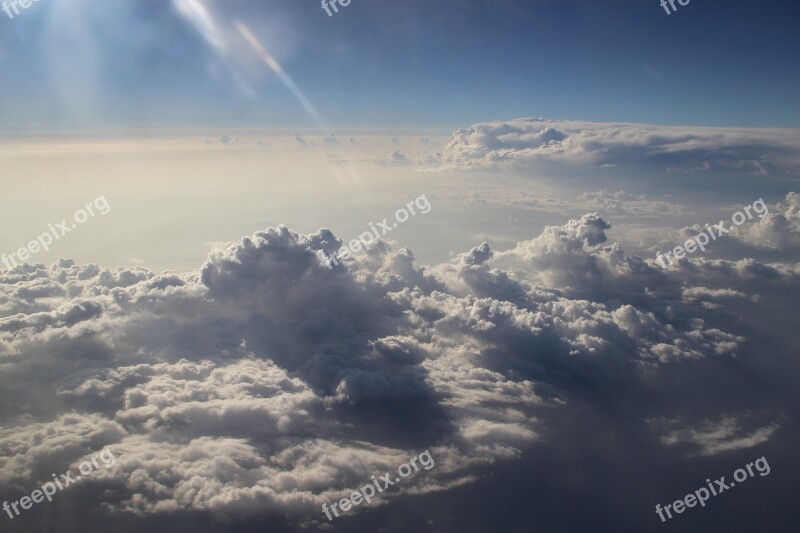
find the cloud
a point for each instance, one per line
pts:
(766, 236)
(525, 142)
(619, 204)
(711, 438)
(225, 139)
(395, 158)
(265, 383)
(328, 140)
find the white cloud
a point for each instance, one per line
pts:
(266, 382)
(530, 141)
(712, 438)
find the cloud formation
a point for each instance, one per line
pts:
(265, 383)
(525, 142)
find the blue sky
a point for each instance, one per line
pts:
(446, 63)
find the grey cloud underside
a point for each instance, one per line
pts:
(264, 382)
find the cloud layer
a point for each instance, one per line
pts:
(264, 383)
(524, 142)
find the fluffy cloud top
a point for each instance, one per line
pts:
(529, 141)
(265, 382)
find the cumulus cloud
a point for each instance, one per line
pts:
(779, 230)
(232, 142)
(395, 158)
(227, 140)
(770, 232)
(529, 141)
(324, 141)
(266, 383)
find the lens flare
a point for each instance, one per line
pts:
(265, 56)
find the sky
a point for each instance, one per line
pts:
(75, 63)
(521, 266)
